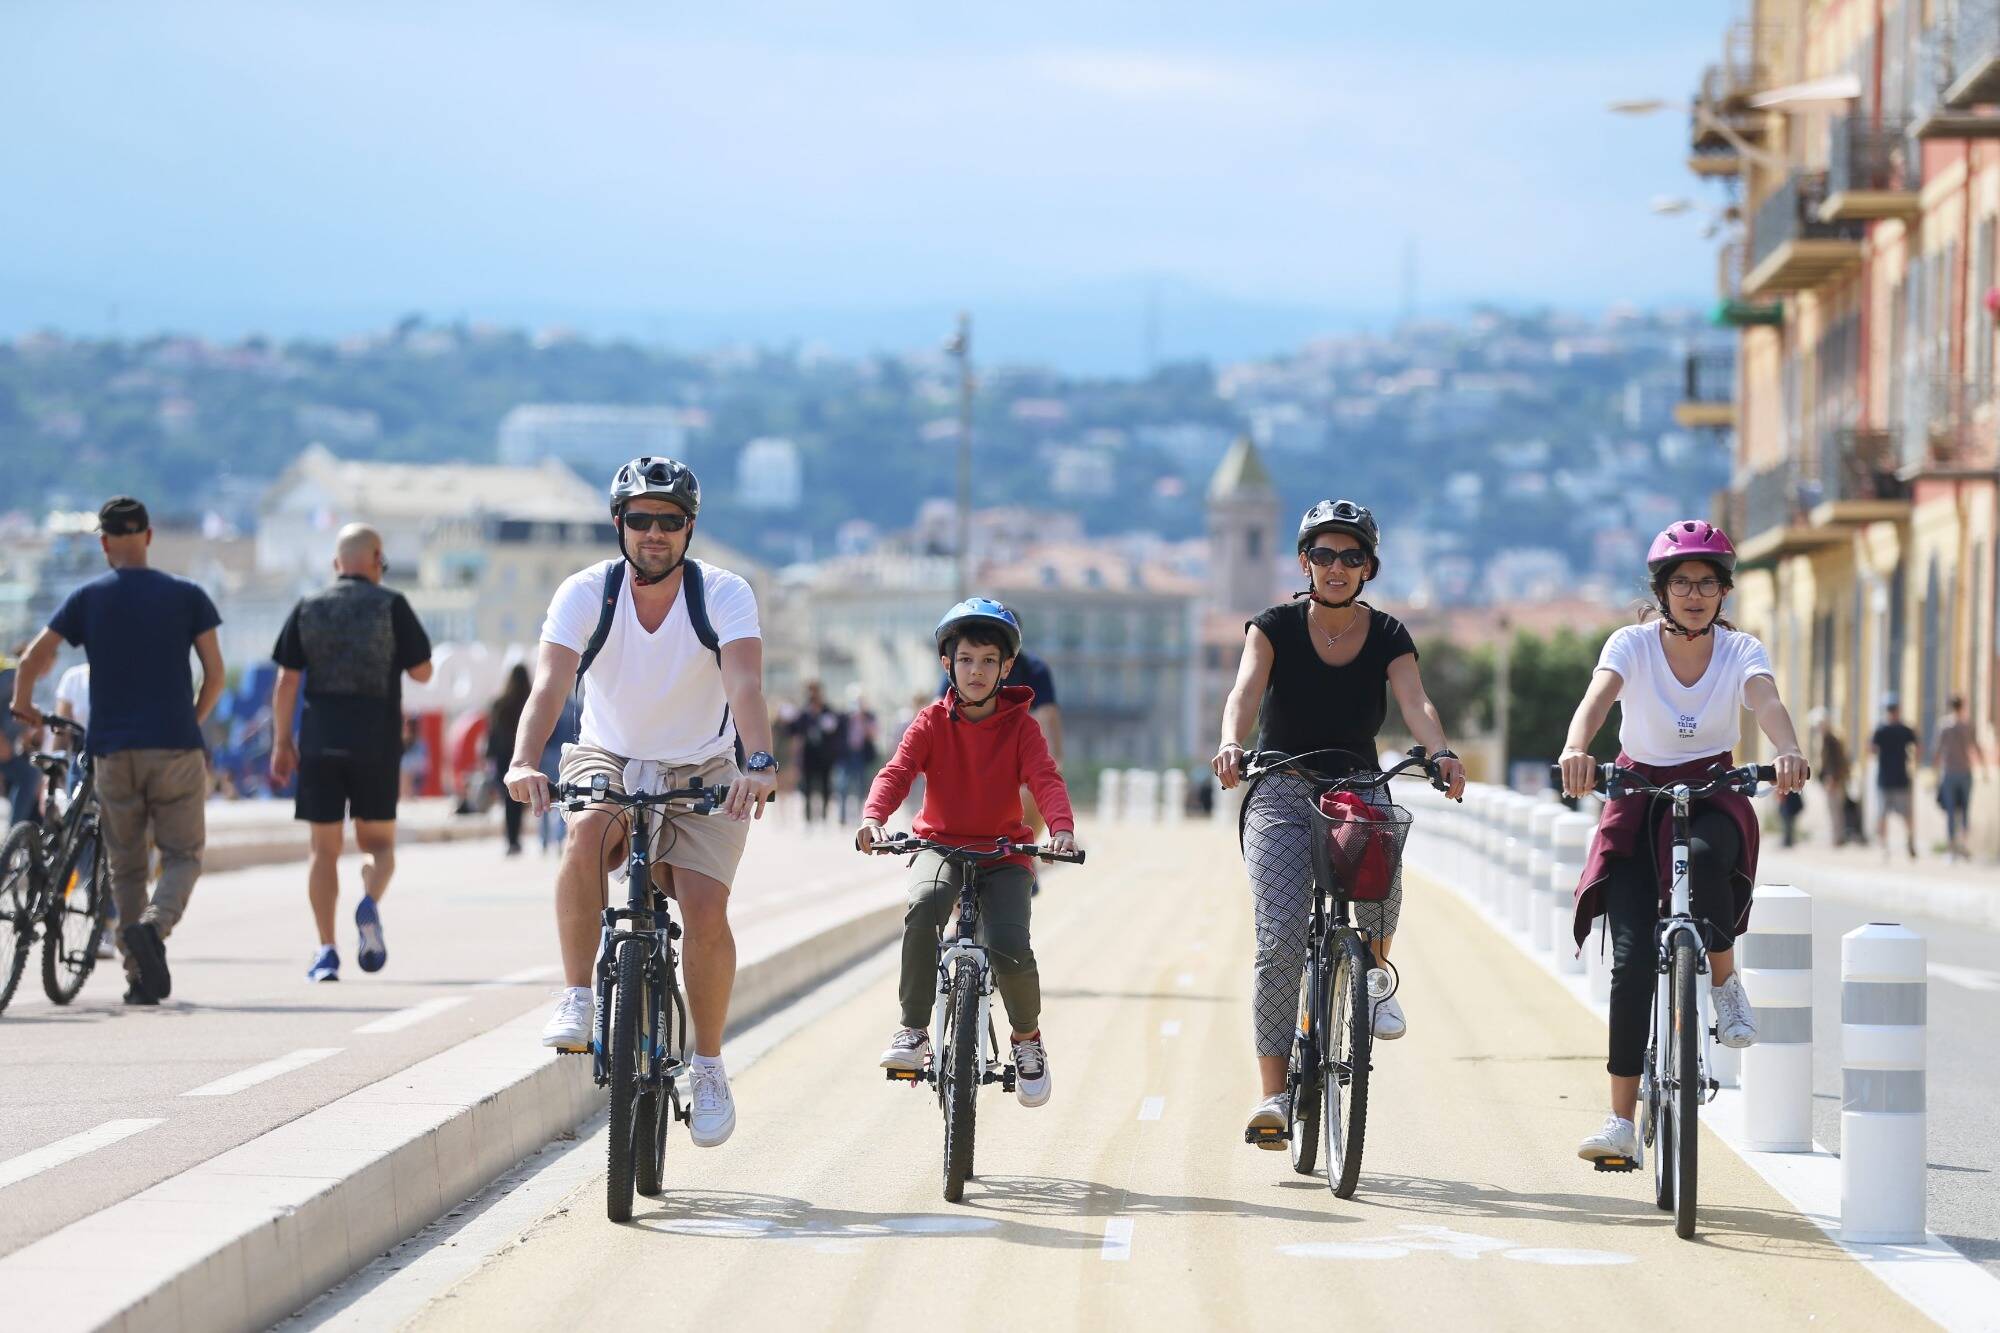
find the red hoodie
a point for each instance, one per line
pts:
(973, 774)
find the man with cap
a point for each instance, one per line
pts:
(136, 625)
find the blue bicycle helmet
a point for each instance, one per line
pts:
(979, 610)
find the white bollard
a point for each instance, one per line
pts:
(1501, 897)
(1569, 844)
(1541, 848)
(1173, 796)
(1111, 794)
(1883, 1123)
(1775, 956)
(1520, 891)
(1142, 796)
(1479, 843)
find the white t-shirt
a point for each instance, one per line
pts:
(74, 689)
(1666, 722)
(654, 696)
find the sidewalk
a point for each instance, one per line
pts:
(257, 832)
(1967, 892)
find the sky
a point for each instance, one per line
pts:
(1255, 172)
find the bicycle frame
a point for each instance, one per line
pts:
(1679, 923)
(966, 946)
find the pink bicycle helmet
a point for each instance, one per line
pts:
(1691, 539)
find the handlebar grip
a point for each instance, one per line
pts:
(1767, 773)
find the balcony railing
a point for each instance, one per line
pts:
(1958, 69)
(1870, 170)
(1708, 377)
(1773, 499)
(1791, 247)
(1859, 464)
(1961, 435)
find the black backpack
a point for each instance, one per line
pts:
(697, 609)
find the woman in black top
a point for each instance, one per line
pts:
(1321, 670)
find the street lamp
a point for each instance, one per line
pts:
(1708, 120)
(960, 346)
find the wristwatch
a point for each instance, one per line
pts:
(761, 761)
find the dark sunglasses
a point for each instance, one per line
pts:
(647, 522)
(1326, 556)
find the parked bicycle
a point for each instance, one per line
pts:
(638, 1047)
(1356, 849)
(1676, 1081)
(964, 1063)
(54, 882)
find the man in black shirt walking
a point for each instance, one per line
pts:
(352, 642)
(1892, 743)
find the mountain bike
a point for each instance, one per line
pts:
(963, 1063)
(638, 1046)
(1675, 1082)
(54, 880)
(1355, 856)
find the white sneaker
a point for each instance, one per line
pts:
(909, 1049)
(1389, 1021)
(568, 1028)
(713, 1117)
(1031, 1071)
(1735, 1021)
(1274, 1113)
(1618, 1138)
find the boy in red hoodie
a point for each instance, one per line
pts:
(976, 748)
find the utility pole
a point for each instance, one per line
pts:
(960, 346)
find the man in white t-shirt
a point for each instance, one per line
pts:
(660, 708)
(73, 695)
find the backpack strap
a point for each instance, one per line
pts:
(614, 579)
(704, 631)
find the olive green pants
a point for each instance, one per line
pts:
(1005, 892)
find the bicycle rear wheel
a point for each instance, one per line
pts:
(19, 857)
(1305, 1069)
(1657, 1126)
(1350, 1038)
(960, 1074)
(624, 1059)
(1687, 1089)
(75, 919)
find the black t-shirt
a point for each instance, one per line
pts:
(1029, 670)
(818, 733)
(1309, 705)
(136, 627)
(354, 641)
(1892, 741)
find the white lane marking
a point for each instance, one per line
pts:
(1171, 1028)
(414, 1015)
(1569, 1258)
(1152, 1108)
(255, 1074)
(525, 976)
(1458, 1244)
(1972, 978)
(1184, 980)
(1117, 1245)
(63, 1150)
(933, 1225)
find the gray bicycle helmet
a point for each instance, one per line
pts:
(1340, 516)
(662, 478)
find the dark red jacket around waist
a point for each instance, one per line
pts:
(1621, 828)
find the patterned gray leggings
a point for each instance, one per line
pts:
(1277, 851)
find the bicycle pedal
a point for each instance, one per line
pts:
(1263, 1137)
(572, 1050)
(903, 1075)
(1616, 1164)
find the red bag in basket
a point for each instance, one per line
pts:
(1361, 854)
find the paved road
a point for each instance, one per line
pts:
(1131, 1196)
(246, 1044)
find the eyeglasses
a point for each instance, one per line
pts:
(1325, 556)
(1685, 587)
(644, 522)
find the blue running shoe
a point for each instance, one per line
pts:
(368, 920)
(326, 965)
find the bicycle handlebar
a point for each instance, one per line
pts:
(895, 844)
(1256, 763)
(54, 723)
(699, 799)
(1617, 781)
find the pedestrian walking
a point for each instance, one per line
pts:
(1832, 769)
(350, 644)
(859, 736)
(816, 728)
(1892, 743)
(136, 626)
(503, 719)
(1957, 750)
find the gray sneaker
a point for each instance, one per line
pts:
(1619, 1139)
(1735, 1020)
(1269, 1121)
(1031, 1072)
(909, 1050)
(712, 1115)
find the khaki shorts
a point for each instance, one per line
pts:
(710, 845)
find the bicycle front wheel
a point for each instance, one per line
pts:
(961, 1079)
(1687, 1089)
(656, 1105)
(75, 919)
(1302, 1077)
(624, 1057)
(1349, 1035)
(20, 857)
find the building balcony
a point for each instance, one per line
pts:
(1970, 45)
(1791, 248)
(1859, 479)
(1962, 439)
(1775, 516)
(1708, 393)
(1722, 116)
(1731, 310)
(1869, 172)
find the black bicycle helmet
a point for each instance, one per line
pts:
(1340, 516)
(659, 477)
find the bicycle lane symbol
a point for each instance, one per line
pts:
(1459, 1244)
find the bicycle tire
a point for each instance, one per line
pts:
(623, 1060)
(20, 897)
(1687, 1085)
(1305, 1070)
(961, 1072)
(1350, 1034)
(75, 919)
(656, 1109)
(1658, 1126)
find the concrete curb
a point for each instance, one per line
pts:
(1960, 904)
(249, 1236)
(281, 846)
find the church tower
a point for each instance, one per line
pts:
(1243, 533)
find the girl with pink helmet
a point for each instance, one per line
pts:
(1684, 678)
